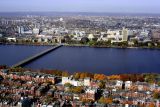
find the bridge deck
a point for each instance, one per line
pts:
(25, 61)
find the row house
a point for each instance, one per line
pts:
(50, 92)
(38, 78)
(67, 96)
(90, 94)
(58, 94)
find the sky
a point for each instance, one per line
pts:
(124, 6)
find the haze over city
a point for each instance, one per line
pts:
(122, 6)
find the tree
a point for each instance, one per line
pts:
(156, 95)
(105, 100)
(159, 83)
(114, 77)
(76, 75)
(92, 43)
(82, 76)
(78, 89)
(99, 77)
(68, 85)
(102, 85)
(65, 74)
(84, 40)
(102, 100)
(151, 105)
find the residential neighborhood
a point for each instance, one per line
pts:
(20, 87)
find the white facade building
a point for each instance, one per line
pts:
(119, 83)
(72, 81)
(35, 31)
(128, 84)
(87, 82)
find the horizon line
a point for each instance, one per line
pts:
(77, 12)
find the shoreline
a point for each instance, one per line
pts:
(81, 45)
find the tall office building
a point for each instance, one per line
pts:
(21, 30)
(124, 34)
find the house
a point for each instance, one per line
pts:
(58, 94)
(90, 94)
(71, 81)
(91, 36)
(67, 96)
(50, 92)
(87, 81)
(128, 85)
(119, 84)
(76, 96)
(11, 39)
(142, 86)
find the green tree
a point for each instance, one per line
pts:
(68, 85)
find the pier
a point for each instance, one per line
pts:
(25, 61)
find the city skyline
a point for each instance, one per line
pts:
(122, 6)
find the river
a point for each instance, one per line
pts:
(85, 59)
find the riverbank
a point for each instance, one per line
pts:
(117, 47)
(82, 45)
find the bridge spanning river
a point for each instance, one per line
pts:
(25, 61)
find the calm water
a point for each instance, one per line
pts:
(11, 54)
(85, 59)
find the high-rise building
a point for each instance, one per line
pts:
(21, 30)
(124, 34)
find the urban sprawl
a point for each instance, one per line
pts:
(21, 87)
(107, 31)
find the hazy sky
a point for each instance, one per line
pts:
(140, 6)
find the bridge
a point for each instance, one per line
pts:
(25, 61)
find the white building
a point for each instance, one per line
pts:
(128, 84)
(91, 90)
(21, 30)
(119, 83)
(87, 82)
(35, 31)
(125, 34)
(72, 81)
(91, 37)
(11, 39)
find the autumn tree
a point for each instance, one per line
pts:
(77, 89)
(99, 76)
(152, 105)
(76, 75)
(114, 77)
(82, 75)
(65, 74)
(102, 100)
(105, 100)
(156, 95)
(102, 85)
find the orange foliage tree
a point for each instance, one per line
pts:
(99, 76)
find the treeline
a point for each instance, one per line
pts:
(150, 77)
(123, 44)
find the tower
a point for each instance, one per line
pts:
(124, 34)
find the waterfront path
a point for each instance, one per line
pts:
(38, 55)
